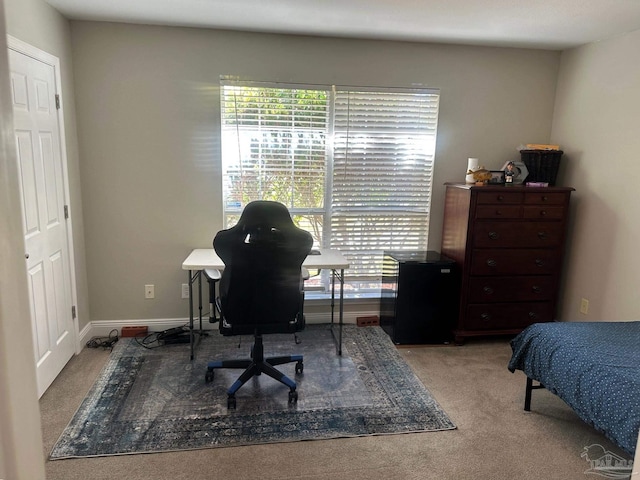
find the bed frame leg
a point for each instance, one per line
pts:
(527, 393)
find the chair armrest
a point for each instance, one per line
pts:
(305, 273)
(212, 274)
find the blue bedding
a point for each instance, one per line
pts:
(593, 366)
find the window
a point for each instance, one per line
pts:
(353, 165)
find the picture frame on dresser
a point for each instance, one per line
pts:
(497, 177)
(508, 244)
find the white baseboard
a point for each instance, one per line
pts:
(102, 328)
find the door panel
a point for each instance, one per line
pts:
(37, 292)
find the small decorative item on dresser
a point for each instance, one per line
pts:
(472, 166)
(537, 184)
(515, 172)
(498, 177)
(509, 172)
(482, 176)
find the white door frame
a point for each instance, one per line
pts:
(44, 57)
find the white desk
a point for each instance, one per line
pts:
(206, 258)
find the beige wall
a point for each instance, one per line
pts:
(21, 455)
(35, 22)
(596, 121)
(148, 124)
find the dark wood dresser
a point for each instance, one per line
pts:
(508, 242)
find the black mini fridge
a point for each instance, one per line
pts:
(420, 297)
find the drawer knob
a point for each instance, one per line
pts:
(533, 315)
(493, 235)
(488, 290)
(543, 213)
(498, 213)
(539, 262)
(536, 289)
(542, 235)
(544, 198)
(491, 262)
(485, 316)
(500, 198)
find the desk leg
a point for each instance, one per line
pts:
(200, 303)
(341, 310)
(338, 340)
(193, 275)
(190, 282)
(333, 294)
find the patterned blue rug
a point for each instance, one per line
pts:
(156, 400)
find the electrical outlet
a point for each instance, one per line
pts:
(584, 306)
(149, 291)
(185, 290)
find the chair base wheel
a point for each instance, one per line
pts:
(299, 367)
(231, 402)
(293, 396)
(208, 377)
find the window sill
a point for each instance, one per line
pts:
(353, 298)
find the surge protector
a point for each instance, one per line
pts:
(174, 339)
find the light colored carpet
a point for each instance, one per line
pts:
(495, 438)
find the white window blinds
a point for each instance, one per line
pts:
(384, 145)
(354, 165)
(274, 146)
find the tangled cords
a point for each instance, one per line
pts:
(104, 342)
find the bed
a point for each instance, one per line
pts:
(593, 366)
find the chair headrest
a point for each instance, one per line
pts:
(264, 225)
(263, 212)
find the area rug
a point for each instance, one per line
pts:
(156, 400)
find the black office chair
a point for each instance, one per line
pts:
(261, 289)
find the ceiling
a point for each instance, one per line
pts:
(543, 24)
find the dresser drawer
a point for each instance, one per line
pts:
(499, 211)
(500, 198)
(544, 198)
(517, 234)
(514, 261)
(511, 289)
(507, 316)
(542, 212)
